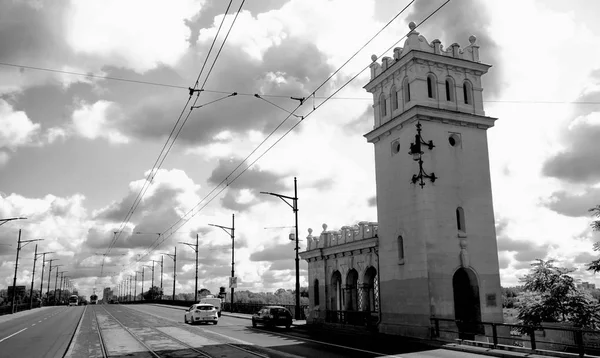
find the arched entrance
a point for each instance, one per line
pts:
(336, 299)
(352, 291)
(369, 303)
(467, 306)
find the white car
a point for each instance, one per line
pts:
(201, 312)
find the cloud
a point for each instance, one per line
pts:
(274, 253)
(584, 258)
(372, 201)
(573, 205)
(98, 121)
(16, 129)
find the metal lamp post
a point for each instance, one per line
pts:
(19, 247)
(231, 232)
(294, 206)
(195, 248)
(174, 257)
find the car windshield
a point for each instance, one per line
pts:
(205, 308)
(279, 311)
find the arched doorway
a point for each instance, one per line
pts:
(369, 303)
(467, 306)
(336, 299)
(352, 291)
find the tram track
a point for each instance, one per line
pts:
(156, 352)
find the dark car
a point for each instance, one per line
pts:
(272, 316)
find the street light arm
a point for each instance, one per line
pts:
(4, 221)
(190, 245)
(224, 228)
(283, 198)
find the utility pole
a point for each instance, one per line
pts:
(143, 278)
(49, 279)
(42, 278)
(231, 233)
(130, 288)
(61, 285)
(174, 257)
(195, 248)
(56, 283)
(294, 206)
(35, 255)
(135, 287)
(19, 247)
(161, 275)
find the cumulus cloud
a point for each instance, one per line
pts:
(574, 205)
(274, 253)
(16, 129)
(97, 121)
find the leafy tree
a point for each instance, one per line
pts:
(552, 296)
(595, 265)
(204, 292)
(154, 293)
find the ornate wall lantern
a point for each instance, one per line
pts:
(415, 151)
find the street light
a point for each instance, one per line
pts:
(415, 151)
(195, 248)
(294, 206)
(4, 221)
(35, 257)
(19, 247)
(42, 278)
(143, 279)
(231, 233)
(174, 257)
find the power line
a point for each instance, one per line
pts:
(264, 95)
(226, 179)
(162, 153)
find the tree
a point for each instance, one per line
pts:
(551, 296)
(154, 293)
(595, 265)
(204, 292)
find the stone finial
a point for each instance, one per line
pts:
(472, 39)
(373, 58)
(412, 26)
(324, 227)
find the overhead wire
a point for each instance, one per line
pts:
(153, 246)
(204, 83)
(163, 154)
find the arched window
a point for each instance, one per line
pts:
(401, 249)
(316, 292)
(382, 111)
(449, 90)
(406, 90)
(394, 98)
(460, 219)
(431, 86)
(468, 92)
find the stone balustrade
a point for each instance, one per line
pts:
(363, 230)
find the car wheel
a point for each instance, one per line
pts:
(253, 323)
(215, 322)
(185, 319)
(287, 326)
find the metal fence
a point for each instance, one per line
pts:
(555, 337)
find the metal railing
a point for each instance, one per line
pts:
(548, 337)
(355, 318)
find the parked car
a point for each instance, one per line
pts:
(272, 316)
(201, 312)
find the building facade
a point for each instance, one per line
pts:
(433, 252)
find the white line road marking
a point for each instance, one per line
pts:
(14, 334)
(33, 325)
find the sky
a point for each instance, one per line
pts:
(90, 93)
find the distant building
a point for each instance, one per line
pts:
(433, 252)
(586, 286)
(107, 295)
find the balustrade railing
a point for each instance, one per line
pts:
(548, 337)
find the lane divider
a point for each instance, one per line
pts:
(14, 334)
(70, 347)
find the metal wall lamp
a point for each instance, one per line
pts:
(415, 151)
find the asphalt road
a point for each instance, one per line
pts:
(44, 332)
(158, 331)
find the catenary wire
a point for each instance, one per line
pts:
(163, 154)
(151, 248)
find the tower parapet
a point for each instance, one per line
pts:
(427, 74)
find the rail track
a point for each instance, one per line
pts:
(155, 351)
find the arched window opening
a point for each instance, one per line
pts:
(351, 301)
(394, 97)
(460, 219)
(316, 292)
(370, 293)
(431, 83)
(449, 90)
(467, 92)
(382, 110)
(401, 248)
(336, 297)
(406, 90)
